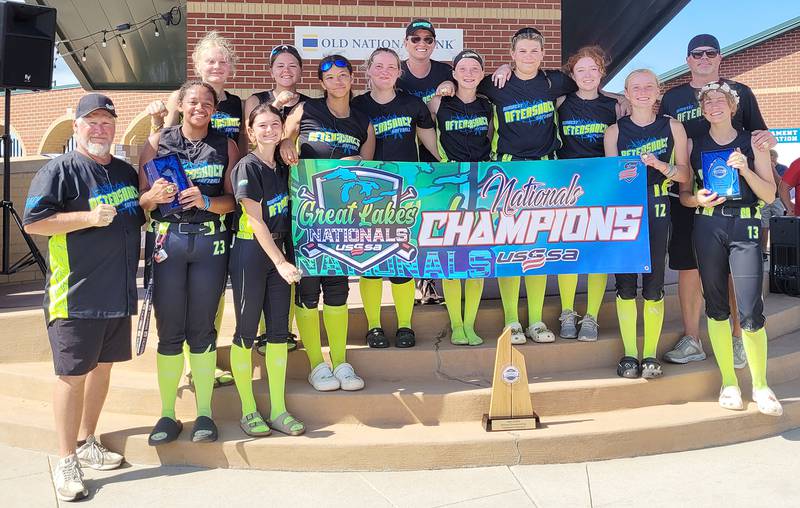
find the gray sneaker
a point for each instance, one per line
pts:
(68, 480)
(688, 349)
(569, 328)
(739, 356)
(94, 455)
(589, 328)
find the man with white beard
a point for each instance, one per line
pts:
(87, 202)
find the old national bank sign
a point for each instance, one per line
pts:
(316, 42)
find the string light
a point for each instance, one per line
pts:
(172, 17)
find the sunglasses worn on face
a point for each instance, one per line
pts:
(416, 38)
(326, 66)
(698, 54)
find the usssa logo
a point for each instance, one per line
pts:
(630, 170)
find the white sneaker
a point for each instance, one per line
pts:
(517, 335)
(96, 456)
(767, 402)
(739, 355)
(321, 378)
(68, 480)
(730, 397)
(538, 332)
(347, 378)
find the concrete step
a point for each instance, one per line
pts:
(421, 445)
(438, 399)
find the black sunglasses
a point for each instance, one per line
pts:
(416, 38)
(280, 49)
(527, 30)
(698, 53)
(326, 65)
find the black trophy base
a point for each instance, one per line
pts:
(501, 423)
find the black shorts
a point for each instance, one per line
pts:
(80, 344)
(681, 247)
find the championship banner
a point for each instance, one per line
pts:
(470, 220)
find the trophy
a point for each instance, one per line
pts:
(510, 407)
(168, 167)
(718, 176)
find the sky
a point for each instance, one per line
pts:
(730, 21)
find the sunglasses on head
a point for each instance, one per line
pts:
(698, 53)
(281, 49)
(527, 30)
(416, 38)
(326, 65)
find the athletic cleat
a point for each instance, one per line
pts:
(589, 327)
(321, 378)
(347, 378)
(730, 397)
(767, 402)
(517, 335)
(739, 355)
(688, 349)
(538, 332)
(94, 455)
(68, 480)
(569, 329)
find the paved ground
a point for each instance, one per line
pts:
(754, 474)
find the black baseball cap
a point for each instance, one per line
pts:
(702, 41)
(92, 102)
(419, 24)
(467, 53)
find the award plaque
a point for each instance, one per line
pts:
(718, 176)
(510, 407)
(169, 168)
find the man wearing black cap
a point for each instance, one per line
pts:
(87, 202)
(703, 57)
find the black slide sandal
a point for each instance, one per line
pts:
(165, 431)
(376, 338)
(204, 430)
(405, 338)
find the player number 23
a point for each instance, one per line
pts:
(219, 247)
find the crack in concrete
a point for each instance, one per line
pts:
(440, 373)
(528, 494)
(475, 498)
(373, 487)
(589, 485)
(516, 449)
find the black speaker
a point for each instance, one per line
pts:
(784, 258)
(27, 40)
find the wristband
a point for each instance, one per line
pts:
(207, 202)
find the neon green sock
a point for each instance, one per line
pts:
(473, 289)
(509, 295)
(626, 314)
(335, 318)
(596, 289)
(653, 321)
(452, 299)
(719, 332)
(755, 347)
(242, 370)
(371, 294)
(534, 287)
(169, 368)
(203, 366)
(187, 366)
(403, 295)
(276, 375)
(567, 284)
(308, 328)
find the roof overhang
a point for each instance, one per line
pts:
(146, 62)
(622, 27)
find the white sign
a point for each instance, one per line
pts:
(317, 42)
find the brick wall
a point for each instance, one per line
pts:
(258, 26)
(772, 70)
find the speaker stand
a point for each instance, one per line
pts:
(34, 256)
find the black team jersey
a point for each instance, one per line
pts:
(681, 104)
(204, 164)
(582, 124)
(463, 129)
(707, 144)
(253, 179)
(395, 125)
(268, 96)
(525, 112)
(227, 120)
(424, 88)
(323, 136)
(91, 273)
(656, 138)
